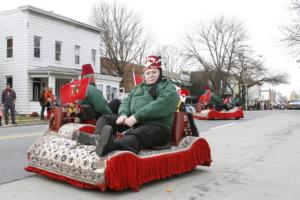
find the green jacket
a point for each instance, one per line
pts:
(234, 101)
(214, 100)
(94, 98)
(148, 110)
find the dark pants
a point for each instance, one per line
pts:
(139, 137)
(11, 108)
(43, 107)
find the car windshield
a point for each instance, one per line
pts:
(295, 101)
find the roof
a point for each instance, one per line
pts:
(66, 72)
(59, 17)
(55, 70)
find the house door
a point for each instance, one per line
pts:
(9, 79)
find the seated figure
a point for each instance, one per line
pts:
(210, 100)
(145, 117)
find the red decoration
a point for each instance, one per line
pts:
(213, 114)
(74, 91)
(205, 98)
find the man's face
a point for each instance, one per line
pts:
(7, 86)
(151, 76)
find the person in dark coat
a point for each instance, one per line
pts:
(43, 102)
(145, 117)
(8, 100)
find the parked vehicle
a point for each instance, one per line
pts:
(294, 104)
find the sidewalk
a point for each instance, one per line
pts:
(23, 120)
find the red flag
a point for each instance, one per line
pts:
(73, 91)
(205, 98)
(137, 78)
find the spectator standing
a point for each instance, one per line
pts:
(43, 102)
(8, 100)
(50, 98)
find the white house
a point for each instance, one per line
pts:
(40, 48)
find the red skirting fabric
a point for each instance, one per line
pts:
(128, 171)
(213, 114)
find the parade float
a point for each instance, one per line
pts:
(58, 156)
(205, 112)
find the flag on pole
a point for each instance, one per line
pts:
(137, 79)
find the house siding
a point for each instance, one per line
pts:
(23, 24)
(51, 30)
(13, 24)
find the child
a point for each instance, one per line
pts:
(1, 114)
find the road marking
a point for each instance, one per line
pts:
(223, 126)
(20, 136)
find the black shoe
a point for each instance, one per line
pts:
(85, 138)
(104, 141)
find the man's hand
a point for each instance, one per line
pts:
(121, 120)
(130, 121)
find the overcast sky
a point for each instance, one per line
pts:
(168, 20)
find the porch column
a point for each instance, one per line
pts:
(51, 82)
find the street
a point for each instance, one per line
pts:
(253, 158)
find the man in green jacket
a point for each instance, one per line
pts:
(234, 101)
(145, 116)
(97, 105)
(211, 100)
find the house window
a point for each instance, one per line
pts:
(108, 93)
(114, 73)
(37, 47)
(114, 93)
(77, 54)
(94, 57)
(57, 50)
(36, 88)
(104, 71)
(100, 87)
(9, 47)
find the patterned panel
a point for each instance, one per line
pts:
(62, 156)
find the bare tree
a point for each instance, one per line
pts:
(122, 36)
(248, 72)
(292, 31)
(173, 60)
(214, 47)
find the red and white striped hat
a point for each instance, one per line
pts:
(152, 62)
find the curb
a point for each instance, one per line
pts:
(17, 125)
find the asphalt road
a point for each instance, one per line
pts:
(253, 158)
(14, 143)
